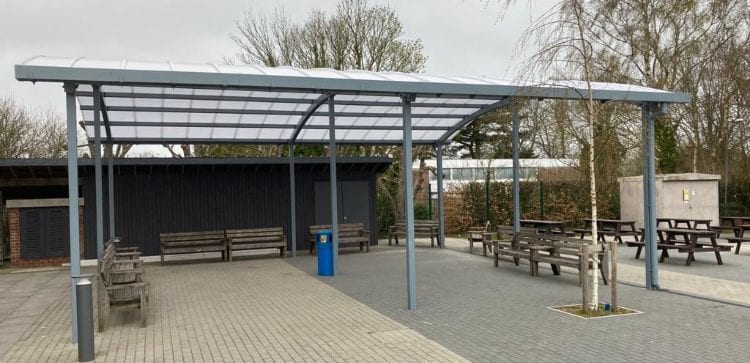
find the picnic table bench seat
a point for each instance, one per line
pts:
(422, 229)
(350, 234)
(738, 241)
(120, 283)
(192, 242)
(689, 242)
(255, 238)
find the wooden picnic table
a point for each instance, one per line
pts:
(687, 223)
(544, 226)
(738, 225)
(609, 227)
(687, 240)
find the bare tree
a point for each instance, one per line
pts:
(16, 130)
(27, 134)
(356, 36)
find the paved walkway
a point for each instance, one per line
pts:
(251, 310)
(24, 296)
(273, 309)
(489, 314)
(728, 282)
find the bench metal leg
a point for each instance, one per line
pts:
(484, 250)
(497, 259)
(638, 252)
(737, 250)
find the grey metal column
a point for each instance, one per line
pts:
(334, 188)
(411, 283)
(441, 205)
(649, 196)
(292, 200)
(75, 256)
(111, 190)
(98, 174)
(516, 171)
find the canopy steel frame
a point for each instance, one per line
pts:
(145, 124)
(299, 101)
(315, 87)
(226, 111)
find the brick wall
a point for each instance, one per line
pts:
(14, 232)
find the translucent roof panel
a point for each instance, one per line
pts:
(167, 102)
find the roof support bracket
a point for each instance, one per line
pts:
(310, 110)
(471, 117)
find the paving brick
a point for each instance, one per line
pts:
(256, 310)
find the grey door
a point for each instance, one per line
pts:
(353, 202)
(356, 202)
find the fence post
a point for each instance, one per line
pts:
(429, 199)
(541, 200)
(487, 199)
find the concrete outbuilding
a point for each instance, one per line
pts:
(688, 195)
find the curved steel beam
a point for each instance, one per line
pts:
(473, 116)
(310, 110)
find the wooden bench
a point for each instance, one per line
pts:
(255, 238)
(558, 250)
(120, 284)
(504, 238)
(192, 242)
(422, 229)
(122, 253)
(350, 234)
(478, 234)
(738, 241)
(517, 247)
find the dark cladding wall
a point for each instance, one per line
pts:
(149, 202)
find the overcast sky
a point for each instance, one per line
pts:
(460, 37)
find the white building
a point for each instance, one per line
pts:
(462, 171)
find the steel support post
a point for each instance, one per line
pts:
(409, 202)
(111, 190)
(98, 174)
(334, 188)
(516, 170)
(441, 206)
(292, 201)
(75, 255)
(649, 196)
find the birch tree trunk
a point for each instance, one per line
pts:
(586, 52)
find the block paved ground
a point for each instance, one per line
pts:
(24, 295)
(489, 314)
(704, 277)
(251, 310)
(275, 309)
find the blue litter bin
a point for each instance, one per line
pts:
(324, 246)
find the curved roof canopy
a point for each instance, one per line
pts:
(166, 102)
